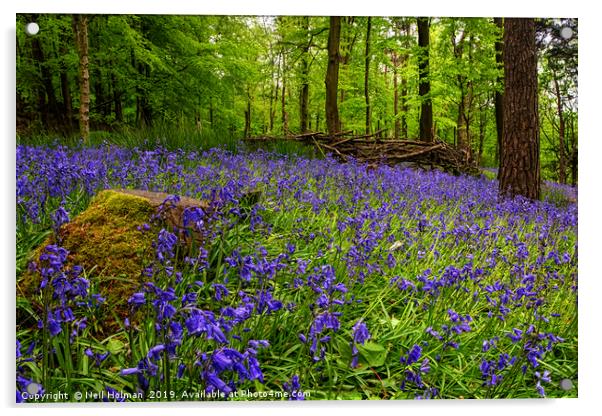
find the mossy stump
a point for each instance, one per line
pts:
(112, 242)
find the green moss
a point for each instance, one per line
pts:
(106, 241)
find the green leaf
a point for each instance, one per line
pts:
(115, 346)
(372, 354)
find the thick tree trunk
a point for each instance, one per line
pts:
(520, 174)
(80, 24)
(424, 84)
(332, 76)
(499, 97)
(561, 134)
(367, 75)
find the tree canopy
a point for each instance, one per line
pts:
(265, 75)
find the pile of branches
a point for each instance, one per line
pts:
(374, 150)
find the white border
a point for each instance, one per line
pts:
(590, 108)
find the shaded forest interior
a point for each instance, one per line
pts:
(398, 78)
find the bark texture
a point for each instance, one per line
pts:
(332, 76)
(520, 173)
(80, 25)
(424, 84)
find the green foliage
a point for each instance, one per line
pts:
(195, 77)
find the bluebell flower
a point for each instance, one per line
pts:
(413, 355)
(293, 387)
(137, 299)
(360, 332)
(155, 352)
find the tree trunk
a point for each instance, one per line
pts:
(283, 99)
(424, 84)
(499, 97)
(367, 75)
(520, 174)
(304, 95)
(65, 87)
(144, 115)
(67, 103)
(332, 76)
(397, 128)
(117, 105)
(404, 107)
(482, 125)
(99, 93)
(80, 24)
(574, 158)
(247, 132)
(461, 124)
(561, 134)
(273, 104)
(47, 103)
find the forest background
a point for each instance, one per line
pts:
(201, 81)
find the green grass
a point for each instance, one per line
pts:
(397, 319)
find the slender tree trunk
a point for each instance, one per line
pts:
(144, 116)
(482, 125)
(65, 87)
(332, 76)
(67, 102)
(424, 84)
(99, 95)
(561, 134)
(304, 107)
(247, 132)
(117, 105)
(47, 103)
(367, 75)
(397, 128)
(304, 95)
(460, 123)
(499, 97)
(283, 99)
(404, 107)
(80, 24)
(273, 104)
(520, 173)
(574, 158)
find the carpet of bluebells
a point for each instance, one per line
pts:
(343, 282)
